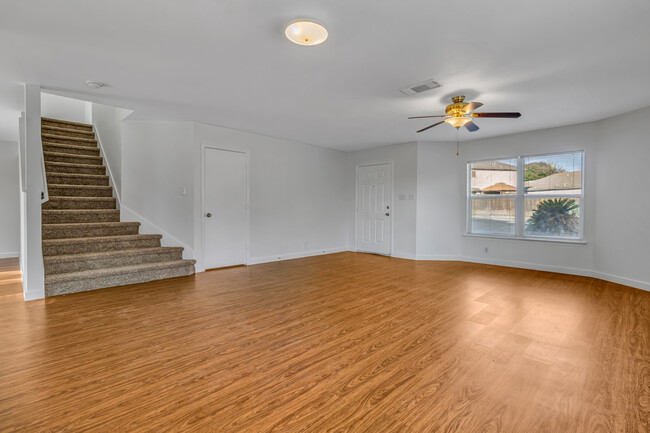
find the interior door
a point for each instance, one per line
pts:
(374, 209)
(225, 215)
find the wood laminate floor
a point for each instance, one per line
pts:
(339, 343)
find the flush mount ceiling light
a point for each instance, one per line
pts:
(305, 32)
(94, 84)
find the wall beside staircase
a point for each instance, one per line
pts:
(10, 199)
(108, 124)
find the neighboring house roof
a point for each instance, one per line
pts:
(557, 181)
(493, 165)
(499, 187)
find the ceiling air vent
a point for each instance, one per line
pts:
(420, 87)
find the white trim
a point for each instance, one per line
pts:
(10, 255)
(147, 227)
(393, 204)
(570, 241)
(201, 247)
(111, 180)
(642, 285)
(297, 255)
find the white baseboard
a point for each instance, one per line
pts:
(399, 255)
(291, 256)
(9, 255)
(147, 227)
(643, 285)
(622, 280)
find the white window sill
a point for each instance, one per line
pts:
(528, 239)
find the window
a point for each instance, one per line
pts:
(527, 196)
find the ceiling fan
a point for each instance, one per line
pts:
(459, 113)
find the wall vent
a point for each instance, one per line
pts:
(416, 88)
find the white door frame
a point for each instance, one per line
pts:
(205, 146)
(392, 202)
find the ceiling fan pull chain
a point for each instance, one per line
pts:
(457, 145)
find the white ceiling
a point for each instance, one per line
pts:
(227, 62)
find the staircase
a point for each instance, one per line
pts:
(85, 246)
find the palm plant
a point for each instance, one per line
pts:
(556, 216)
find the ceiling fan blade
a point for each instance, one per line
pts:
(471, 126)
(473, 106)
(426, 117)
(431, 126)
(506, 115)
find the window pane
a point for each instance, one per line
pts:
(552, 217)
(493, 216)
(553, 174)
(494, 177)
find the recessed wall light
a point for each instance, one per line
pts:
(305, 32)
(94, 84)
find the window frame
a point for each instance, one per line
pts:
(520, 200)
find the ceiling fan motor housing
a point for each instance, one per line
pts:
(458, 108)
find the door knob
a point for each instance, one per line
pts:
(208, 214)
(387, 214)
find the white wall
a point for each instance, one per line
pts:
(622, 207)
(10, 199)
(157, 163)
(62, 108)
(437, 214)
(108, 125)
(297, 194)
(617, 238)
(405, 160)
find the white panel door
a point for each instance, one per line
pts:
(374, 209)
(225, 200)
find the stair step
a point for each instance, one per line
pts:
(61, 130)
(110, 259)
(89, 230)
(76, 179)
(59, 247)
(72, 282)
(72, 158)
(65, 167)
(70, 149)
(66, 124)
(75, 141)
(68, 216)
(62, 190)
(58, 202)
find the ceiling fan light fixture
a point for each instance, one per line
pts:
(306, 32)
(457, 122)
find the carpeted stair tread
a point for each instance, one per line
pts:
(55, 138)
(105, 254)
(94, 229)
(67, 123)
(63, 216)
(67, 131)
(70, 149)
(65, 167)
(116, 271)
(77, 179)
(110, 259)
(63, 202)
(72, 158)
(58, 247)
(94, 279)
(65, 190)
